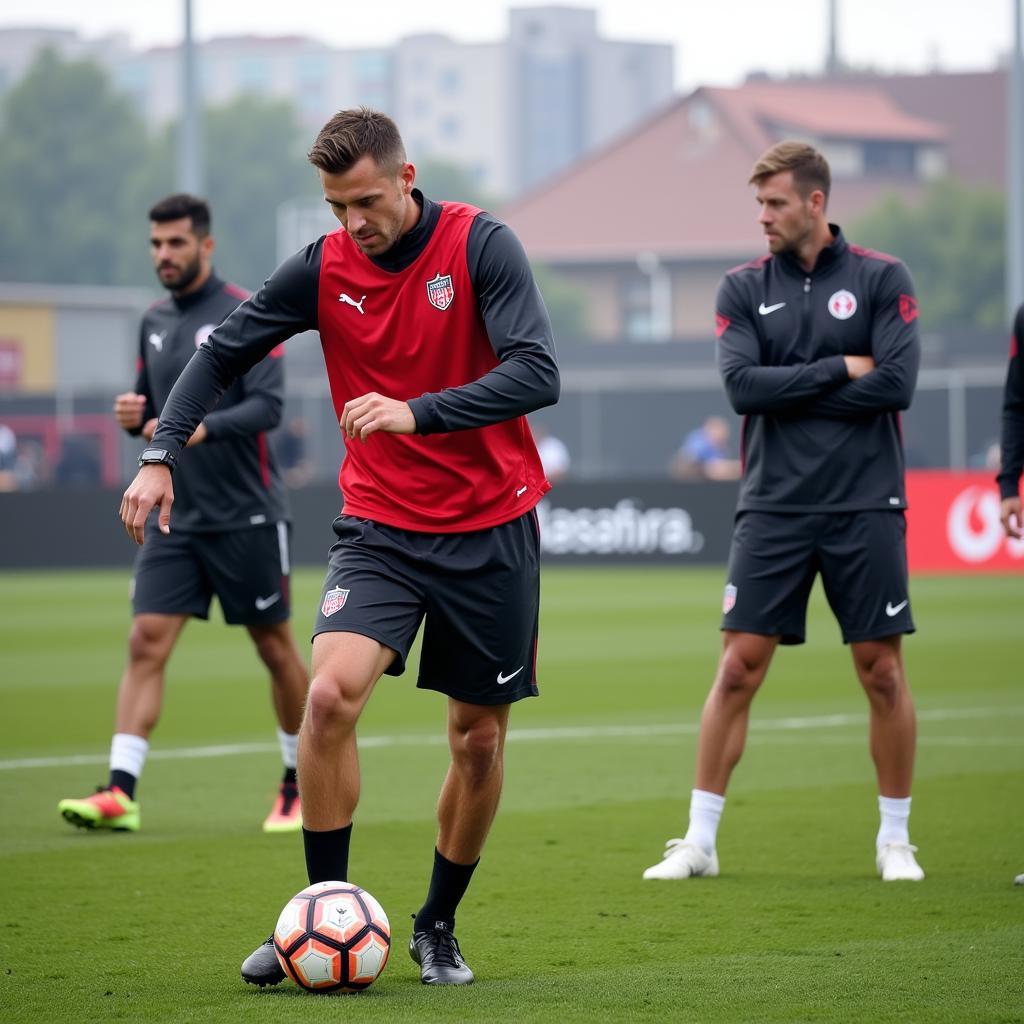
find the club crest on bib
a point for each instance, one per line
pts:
(334, 601)
(843, 304)
(441, 291)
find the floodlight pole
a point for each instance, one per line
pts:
(190, 162)
(1015, 167)
(832, 56)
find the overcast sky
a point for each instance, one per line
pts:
(717, 42)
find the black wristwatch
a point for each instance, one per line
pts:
(157, 455)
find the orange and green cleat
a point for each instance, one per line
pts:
(106, 808)
(286, 814)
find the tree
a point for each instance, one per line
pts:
(953, 243)
(70, 151)
(439, 180)
(255, 160)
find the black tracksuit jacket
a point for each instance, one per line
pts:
(231, 480)
(813, 439)
(1012, 442)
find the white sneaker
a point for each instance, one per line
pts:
(1019, 880)
(896, 863)
(683, 859)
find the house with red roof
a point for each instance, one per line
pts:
(647, 226)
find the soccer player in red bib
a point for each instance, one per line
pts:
(437, 344)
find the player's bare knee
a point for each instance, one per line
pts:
(737, 677)
(328, 709)
(476, 749)
(882, 679)
(274, 651)
(148, 642)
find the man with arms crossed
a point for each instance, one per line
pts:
(818, 349)
(437, 345)
(230, 527)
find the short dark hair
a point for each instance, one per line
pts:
(179, 205)
(810, 169)
(352, 134)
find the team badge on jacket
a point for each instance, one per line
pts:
(843, 304)
(729, 598)
(334, 601)
(440, 291)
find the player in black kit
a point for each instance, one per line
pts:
(1011, 445)
(230, 528)
(819, 351)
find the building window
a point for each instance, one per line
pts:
(891, 159)
(252, 74)
(647, 300)
(372, 66)
(449, 81)
(637, 319)
(311, 69)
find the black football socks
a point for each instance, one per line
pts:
(327, 854)
(124, 781)
(448, 884)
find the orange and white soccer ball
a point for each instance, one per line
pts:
(333, 937)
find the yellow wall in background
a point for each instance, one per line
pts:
(31, 328)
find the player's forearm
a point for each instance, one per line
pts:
(886, 389)
(255, 414)
(514, 388)
(755, 390)
(198, 389)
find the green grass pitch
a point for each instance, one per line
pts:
(558, 924)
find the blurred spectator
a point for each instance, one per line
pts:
(553, 452)
(30, 469)
(8, 456)
(293, 455)
(704, 454)
(78, 465)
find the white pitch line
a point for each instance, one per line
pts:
(540, 735)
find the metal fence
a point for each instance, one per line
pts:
(618, 423)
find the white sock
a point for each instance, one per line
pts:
(289, 743)
(895, 813)
(128, 753)
(705, 811)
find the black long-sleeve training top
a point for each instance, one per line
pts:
(230, 480)
(813, 439)
(1012, 441)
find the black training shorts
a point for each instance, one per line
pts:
(479, 593)
(862, 558)
(248, 570)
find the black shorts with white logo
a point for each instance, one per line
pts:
(862, 558)
(248, 570)
(478, 592)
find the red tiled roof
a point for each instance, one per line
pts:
(826, 111)
(677, 184)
